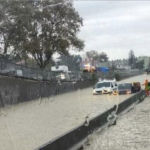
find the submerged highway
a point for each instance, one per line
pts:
(28, 125)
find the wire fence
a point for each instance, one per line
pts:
(25, 72)
(12, 69)
(20, 71)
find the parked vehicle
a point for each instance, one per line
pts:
(127, 88)
(61, 72)
(136, 87)
(105, 87)
(123, 88)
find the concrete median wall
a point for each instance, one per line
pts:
(14, 91)
(124, 75)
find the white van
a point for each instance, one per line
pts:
(61, 72)
(105, 87)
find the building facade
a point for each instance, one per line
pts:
(146, 60)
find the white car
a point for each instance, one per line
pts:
(105, 87)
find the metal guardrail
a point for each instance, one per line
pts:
(75, 138)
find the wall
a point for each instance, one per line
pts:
(14, 91)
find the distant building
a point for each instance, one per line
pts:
(146, 61)
(104, 64)
(120, 64)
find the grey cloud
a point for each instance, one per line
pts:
(115, 27)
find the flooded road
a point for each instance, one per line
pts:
(29, 125)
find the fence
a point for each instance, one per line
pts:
(20, 71)
(12, 69)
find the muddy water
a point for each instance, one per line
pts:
(28, 125)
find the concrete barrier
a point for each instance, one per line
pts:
(130, 74)
(74, 139)
(14, 90)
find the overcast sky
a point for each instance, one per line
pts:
(115, 27)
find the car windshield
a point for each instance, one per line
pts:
(103, 84)
(124, 86)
